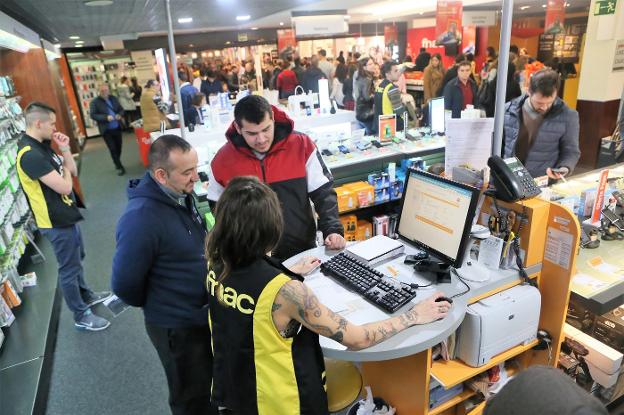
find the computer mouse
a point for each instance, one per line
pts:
(440, 299)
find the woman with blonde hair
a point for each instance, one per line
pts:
(433, 76)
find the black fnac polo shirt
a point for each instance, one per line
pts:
(51, 209)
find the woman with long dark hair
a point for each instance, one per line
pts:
(265, 322)
(364, 92)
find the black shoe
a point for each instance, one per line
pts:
(121, 171)
(97, 297)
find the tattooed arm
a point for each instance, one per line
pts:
(295, 301)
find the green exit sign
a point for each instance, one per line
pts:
(605, 7)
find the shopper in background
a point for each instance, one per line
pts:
(262, 141)
(125, 100)
(312, 75)
(451, 73)
(422, 60)
(543, 390)
(187, 91)
(46, 179)
(198, 77)
(363, 93)
(159, 266)
(195, 115)
(249, 77)
(267, 73)
(487, 90)
(474, 73)
(272, 331)
(338, 83)
(136, 91)
(232, 78)
(347, 88)
(211, 85)
(432, 79)
(152, 115)
(491, 56)
(388, 96)
(108, 113)
(286, 81)
(541, 130)
(325, 65)
(461, 91)
(298, 70)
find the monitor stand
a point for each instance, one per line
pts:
(471, 270)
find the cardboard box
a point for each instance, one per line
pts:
(29, 279)
(10, 294)
(380, 225)
(382, 195)
(580, 317)
(609, 329)
(396, 190)
(364, 230)
(600, 355)
(347, 199)
(364, 193)
(349, 222)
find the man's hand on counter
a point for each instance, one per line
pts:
(335, 241)
(557, 173)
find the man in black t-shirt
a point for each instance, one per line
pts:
(46, 179)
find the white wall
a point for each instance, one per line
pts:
(598, 82)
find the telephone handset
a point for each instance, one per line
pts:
(511, 179)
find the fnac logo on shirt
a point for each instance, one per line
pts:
(229, 296)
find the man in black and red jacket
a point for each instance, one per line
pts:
(262, 143)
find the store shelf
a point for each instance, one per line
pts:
(344, 212)
(452, 402)
(478, 410)
(453, 372)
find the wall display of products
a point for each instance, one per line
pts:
(89, 75)
(15, 217)
(7, 87)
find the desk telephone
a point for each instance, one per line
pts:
(511, 179)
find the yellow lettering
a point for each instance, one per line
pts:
(239, 304)
(211, 282)
(67, 200)
(229, 297)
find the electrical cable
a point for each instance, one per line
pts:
(463, 282)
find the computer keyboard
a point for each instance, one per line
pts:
(384, 292)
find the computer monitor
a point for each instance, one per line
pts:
(436, 115)
(436, 215)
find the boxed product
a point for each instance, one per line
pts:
(609, 329)
(579, 316)
(29, 279)
(380, 225)
(347, 199)
(364, 193)
(6, 315)
(349, 222)
(364, 230)
(396, 190)
(382, 195)
(393, 219)
(10, 294)
(378, 180)
(414, 162)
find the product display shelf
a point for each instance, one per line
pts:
(466, 394)
(453, 372)
(370, 207)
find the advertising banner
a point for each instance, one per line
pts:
(286, 38)
(448, 25)
(555, 16)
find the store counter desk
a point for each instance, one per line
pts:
(413, 340)
(599, 279)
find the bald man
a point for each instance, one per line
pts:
(108, 113)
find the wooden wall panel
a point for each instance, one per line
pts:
(71, 93)
(597, 120)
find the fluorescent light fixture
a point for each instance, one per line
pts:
(98, 3)
(228, 42)
(78, 46)
(79, 42)
(524, 7)
(254, 28)
(74, 37)
(242, 18)
(185, 20)
(281, 23)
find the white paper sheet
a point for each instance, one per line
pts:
(469, 142)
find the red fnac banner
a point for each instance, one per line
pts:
(555, 16)
(391, 35)
(422, 38)
(469, 40)
(448, 25)
(286, 38)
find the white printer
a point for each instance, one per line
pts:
(498, 323)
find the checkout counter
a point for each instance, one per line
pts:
(401, 369)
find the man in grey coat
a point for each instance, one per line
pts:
(541, 130)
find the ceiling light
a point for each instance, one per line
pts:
(543, 5)
(78, 46)
(79, 42)
(567, 4)
(254, 28)
(380, 19)
(243, 17)
(74, 37)
(228, 42)
(98, 3)
(281, 23)
(421, 13)
(185, 20)
(524, 7)
(57, 45)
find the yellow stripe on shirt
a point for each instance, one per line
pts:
(276, 382)
(33, 190)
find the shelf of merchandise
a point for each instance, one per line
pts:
(359, 209)
(453, 372)
(466, 394)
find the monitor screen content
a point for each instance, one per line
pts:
(436, 114)
(437, 214)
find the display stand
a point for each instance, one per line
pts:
(404, 382)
